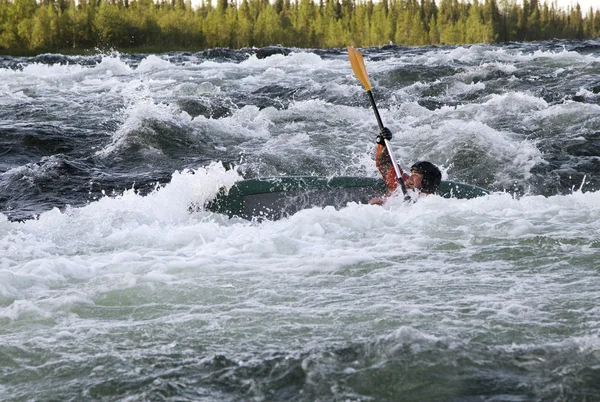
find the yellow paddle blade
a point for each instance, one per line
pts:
(358, 66)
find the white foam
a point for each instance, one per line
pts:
(296, 60)
(135, 270)
(140, 110)
(522, 103)
(438, 135)
(124, 264)
(574, 112)
(24, 309)
(112, 65)
(39, 70)
(32, 172)
(153, 63)
(459, 88)
(193, 89)
(486, 54)
(8, 97)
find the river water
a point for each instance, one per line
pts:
(112, 288)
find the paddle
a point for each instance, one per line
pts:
(358, 66)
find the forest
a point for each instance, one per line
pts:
(28, 26)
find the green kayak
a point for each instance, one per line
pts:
(276, 197)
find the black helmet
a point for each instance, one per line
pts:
(431, 176)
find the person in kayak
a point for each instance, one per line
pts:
(425, 177)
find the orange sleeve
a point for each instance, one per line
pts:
(385, 167)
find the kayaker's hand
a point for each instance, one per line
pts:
(376, 201)
(384, 134)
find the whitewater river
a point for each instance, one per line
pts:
(112, 288)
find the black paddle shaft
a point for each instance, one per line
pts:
(378, 117)
(375, 109)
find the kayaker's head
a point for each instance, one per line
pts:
(425, 176)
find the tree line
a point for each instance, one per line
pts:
(58, 25)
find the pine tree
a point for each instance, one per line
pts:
(112, 25)
(380, 32)
(596, 24)
(491, 17)
(55, 24)
(576, 22)
(244, 37)
(534, 20)
(44, 32)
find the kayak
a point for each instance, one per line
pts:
(276, 197)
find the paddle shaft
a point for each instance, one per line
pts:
(377, 116)
(360, 70)
(387, 143)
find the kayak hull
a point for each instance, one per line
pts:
(276, 197)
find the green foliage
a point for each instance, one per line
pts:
(26, 25)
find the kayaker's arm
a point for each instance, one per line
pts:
(384, 162)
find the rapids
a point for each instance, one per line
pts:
(113, 288)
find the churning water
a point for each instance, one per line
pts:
(112, 288)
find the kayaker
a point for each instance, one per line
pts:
(425, 177)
